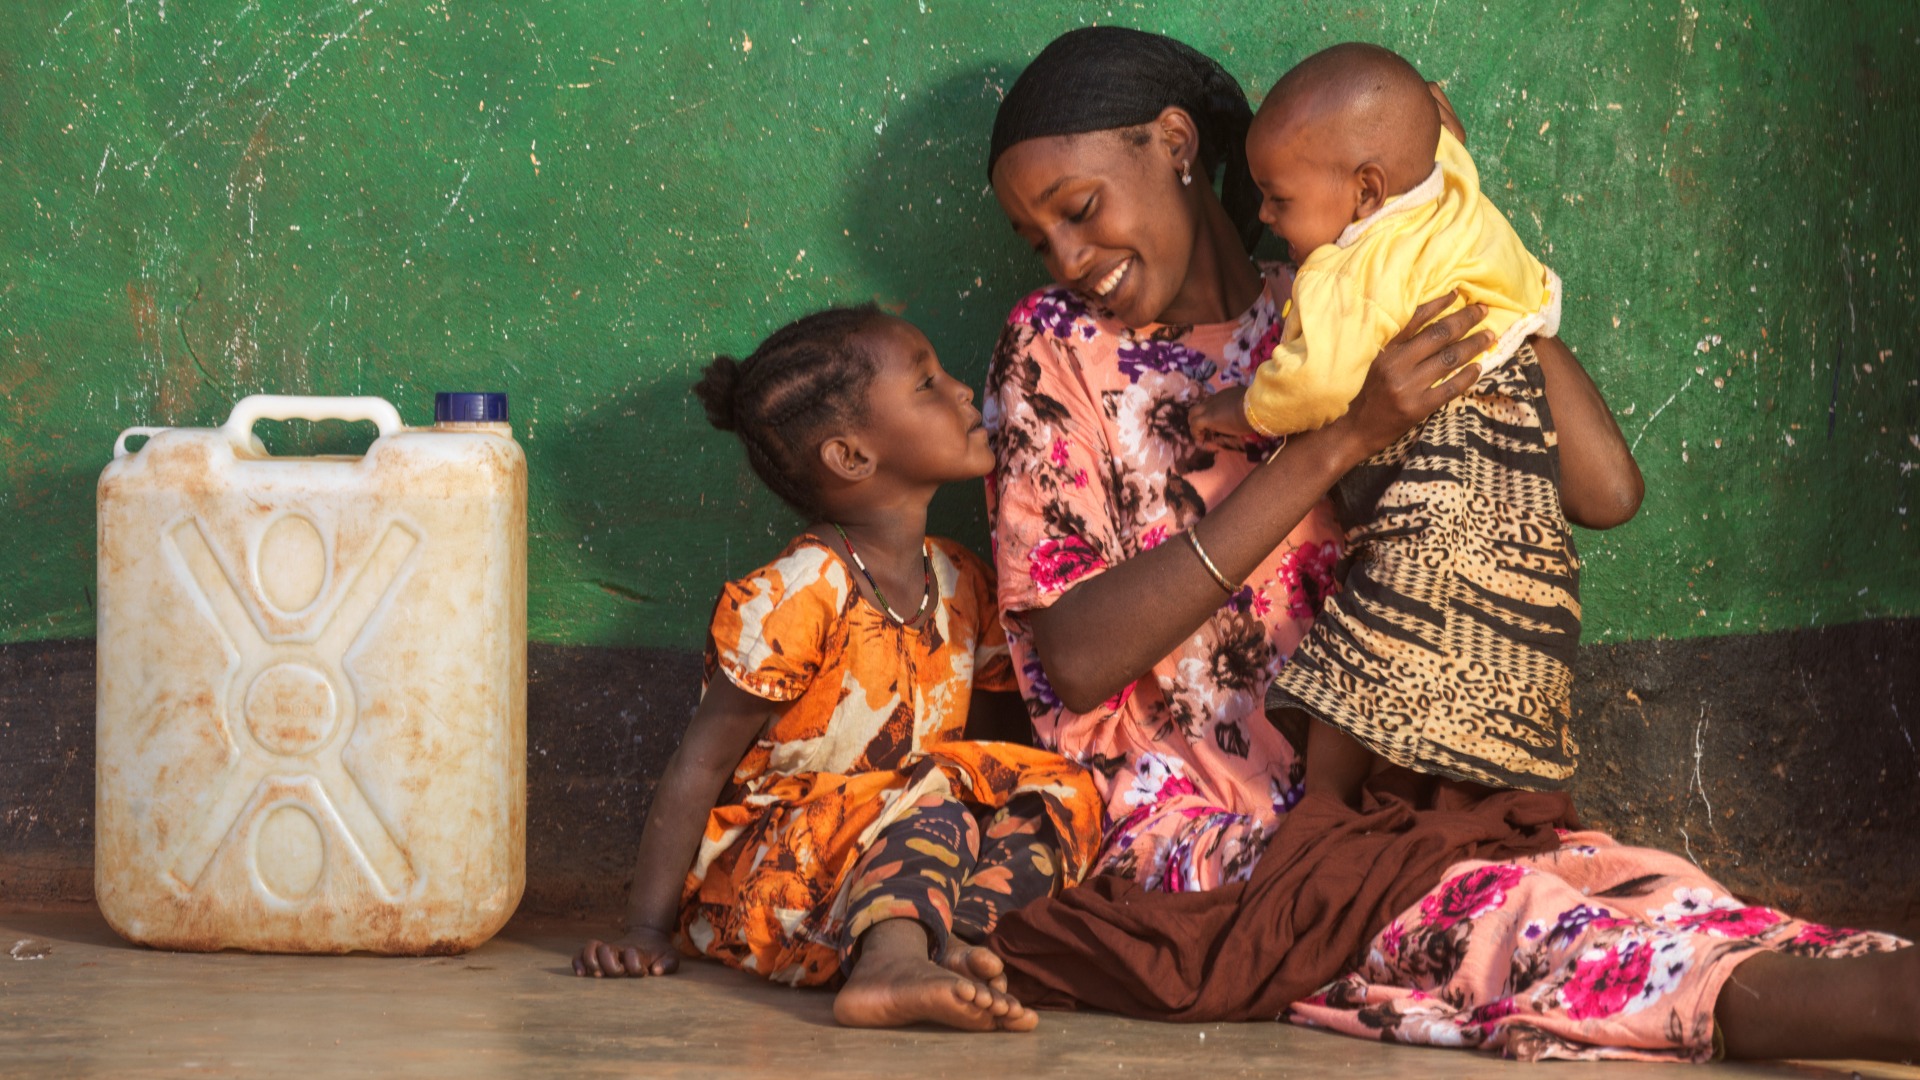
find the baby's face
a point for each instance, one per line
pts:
(1306, 198)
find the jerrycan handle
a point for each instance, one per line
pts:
(257, 407)
(120, 444)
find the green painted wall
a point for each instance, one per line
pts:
(579, 201)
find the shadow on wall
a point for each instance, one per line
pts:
(921, 220)
(61, 495)
(916, 218)
(620, 503)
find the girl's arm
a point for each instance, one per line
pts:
(1600, 484)
(723, 727)
(1109, 630)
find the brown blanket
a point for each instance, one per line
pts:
(1331, 879)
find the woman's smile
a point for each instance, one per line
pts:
(1104, 287)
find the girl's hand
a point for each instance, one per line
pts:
(645, 952)
(723, 727)
(1401, 391)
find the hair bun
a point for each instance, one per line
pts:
(717, 390)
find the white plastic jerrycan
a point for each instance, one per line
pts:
(312, 684)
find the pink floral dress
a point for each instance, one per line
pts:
(1593, 951)
(1095, 465)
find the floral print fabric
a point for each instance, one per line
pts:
(1094, 464)
(870, 727)
(1593, 951)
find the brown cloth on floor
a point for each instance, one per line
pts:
(1331, 879)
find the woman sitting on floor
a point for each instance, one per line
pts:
(1144, 649)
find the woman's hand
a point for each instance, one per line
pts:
(1448, 118)
(1410, 378)
(645, 952)
(1097, 637)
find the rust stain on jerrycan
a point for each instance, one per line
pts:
(312, 684)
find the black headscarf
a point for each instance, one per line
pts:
(1103, 77)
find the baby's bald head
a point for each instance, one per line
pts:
(1352, 104)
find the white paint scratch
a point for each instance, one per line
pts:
(1846, 267)
(457, 192)
(1657, 412)
(1904, 733)
(99, 183)
(1699, 742)
(326, 42)
(1807, 689)
(422, 241)
(231, 89)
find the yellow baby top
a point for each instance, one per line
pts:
(1353, 295)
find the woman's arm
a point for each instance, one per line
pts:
(1600, 484)
(1093, 640)
(727, 722)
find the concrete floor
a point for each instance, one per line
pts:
(79, 1001)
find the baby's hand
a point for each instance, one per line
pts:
(645, 952)
(1223, 414)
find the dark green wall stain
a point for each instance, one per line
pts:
(579, 202)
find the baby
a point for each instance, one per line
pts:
(1448, 650)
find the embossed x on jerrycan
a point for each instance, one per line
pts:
(312, 685)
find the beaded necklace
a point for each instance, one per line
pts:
(926, 566)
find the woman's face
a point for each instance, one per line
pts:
(1107, 214)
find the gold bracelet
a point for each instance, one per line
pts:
(1193, 541)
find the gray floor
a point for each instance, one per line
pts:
(82, 1002)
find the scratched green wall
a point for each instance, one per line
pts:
(579, 201)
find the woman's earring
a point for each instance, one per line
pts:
(1186, 173)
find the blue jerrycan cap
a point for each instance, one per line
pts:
(470, 408)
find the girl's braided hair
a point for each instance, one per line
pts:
(806, 380)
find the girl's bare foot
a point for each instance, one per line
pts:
(894, 984)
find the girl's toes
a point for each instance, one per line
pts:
(1020, 1019)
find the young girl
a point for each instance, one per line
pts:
(824, 820)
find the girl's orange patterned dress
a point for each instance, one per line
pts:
(871, 725)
